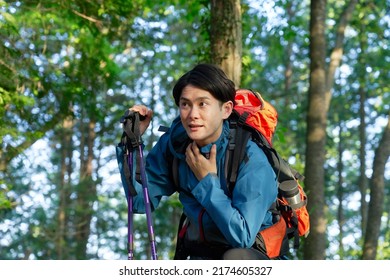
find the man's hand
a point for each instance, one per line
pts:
(144, 112)
(199, 164)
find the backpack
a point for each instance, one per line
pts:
(254, 118)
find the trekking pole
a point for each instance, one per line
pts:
(130, 231)
(131, 139)
(147, 207)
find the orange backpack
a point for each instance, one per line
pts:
(254, 118)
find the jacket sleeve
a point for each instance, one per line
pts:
(240, 216)
(158, 181)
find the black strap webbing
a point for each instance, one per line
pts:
(128, 175)
(130, 141)
(235, 155)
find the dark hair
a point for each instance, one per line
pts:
(208, 77)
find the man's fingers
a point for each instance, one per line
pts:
(145, 114)
(195, 149)
(142, 110)
(213, 151)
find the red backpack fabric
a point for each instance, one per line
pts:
(262, 115)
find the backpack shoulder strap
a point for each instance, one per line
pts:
(173, 162)
(173, 166)
(235, 154)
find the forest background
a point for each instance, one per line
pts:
(70, 69)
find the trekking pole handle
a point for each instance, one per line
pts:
(130, 114)
(131, 126)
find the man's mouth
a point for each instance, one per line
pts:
(194, 126)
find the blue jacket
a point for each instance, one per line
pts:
(226, 219)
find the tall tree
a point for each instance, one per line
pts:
(64, 183)
(226, 37)
(320, 93)
(363, 180)
(377, 195)
(315, 244)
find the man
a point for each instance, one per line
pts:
(220, 224)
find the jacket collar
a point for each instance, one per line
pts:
(179, 140)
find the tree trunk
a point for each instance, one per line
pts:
(62, 248)
(321, 83)
(289, 59)
(315, 245)
(86, 193)
(363, 180)
(377, 196)
(337, 52)
(340, 191)
(226, 37)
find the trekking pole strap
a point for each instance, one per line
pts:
(131, 137)
(128, 170)
(130, 121)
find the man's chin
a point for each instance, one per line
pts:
(195, 138)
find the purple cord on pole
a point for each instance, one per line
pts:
(147, 206)
(130, 234)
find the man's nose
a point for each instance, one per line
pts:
(194, 113)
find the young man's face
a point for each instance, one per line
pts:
(202, 115)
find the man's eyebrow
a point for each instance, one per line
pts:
(197, 99)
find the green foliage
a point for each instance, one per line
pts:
(5, 203)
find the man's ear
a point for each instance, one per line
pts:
(227, 109)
